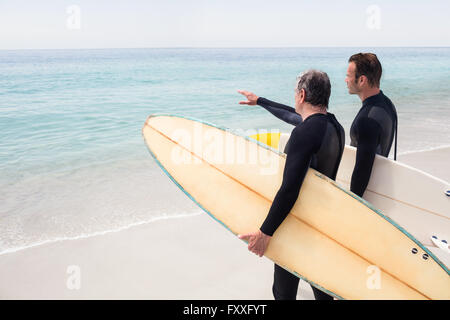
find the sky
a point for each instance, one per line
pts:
(62, 24)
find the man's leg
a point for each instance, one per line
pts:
(285, 284)
(319, 295)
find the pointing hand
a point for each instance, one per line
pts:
(251, 97)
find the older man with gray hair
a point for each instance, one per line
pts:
(317, 141)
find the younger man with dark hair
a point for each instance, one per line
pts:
(373, 129)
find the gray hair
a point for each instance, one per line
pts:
(317, 87)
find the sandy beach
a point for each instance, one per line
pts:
(180, 258)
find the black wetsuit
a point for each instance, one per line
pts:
(372, 132)
(318, 142)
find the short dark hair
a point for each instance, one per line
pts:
(317, 87)
(367, 64)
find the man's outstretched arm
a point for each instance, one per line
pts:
(281, 111)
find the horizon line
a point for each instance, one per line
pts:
(219, 47)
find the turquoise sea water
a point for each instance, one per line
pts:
(72, 158)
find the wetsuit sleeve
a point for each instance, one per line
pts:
(368, 134)
(303, 146)
(281, 111)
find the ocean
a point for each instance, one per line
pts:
(73, 162)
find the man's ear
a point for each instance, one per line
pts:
(362, 80)
(302, 95)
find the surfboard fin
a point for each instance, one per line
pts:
(440, 243)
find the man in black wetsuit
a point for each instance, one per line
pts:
(316, 142)
(373, 129)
